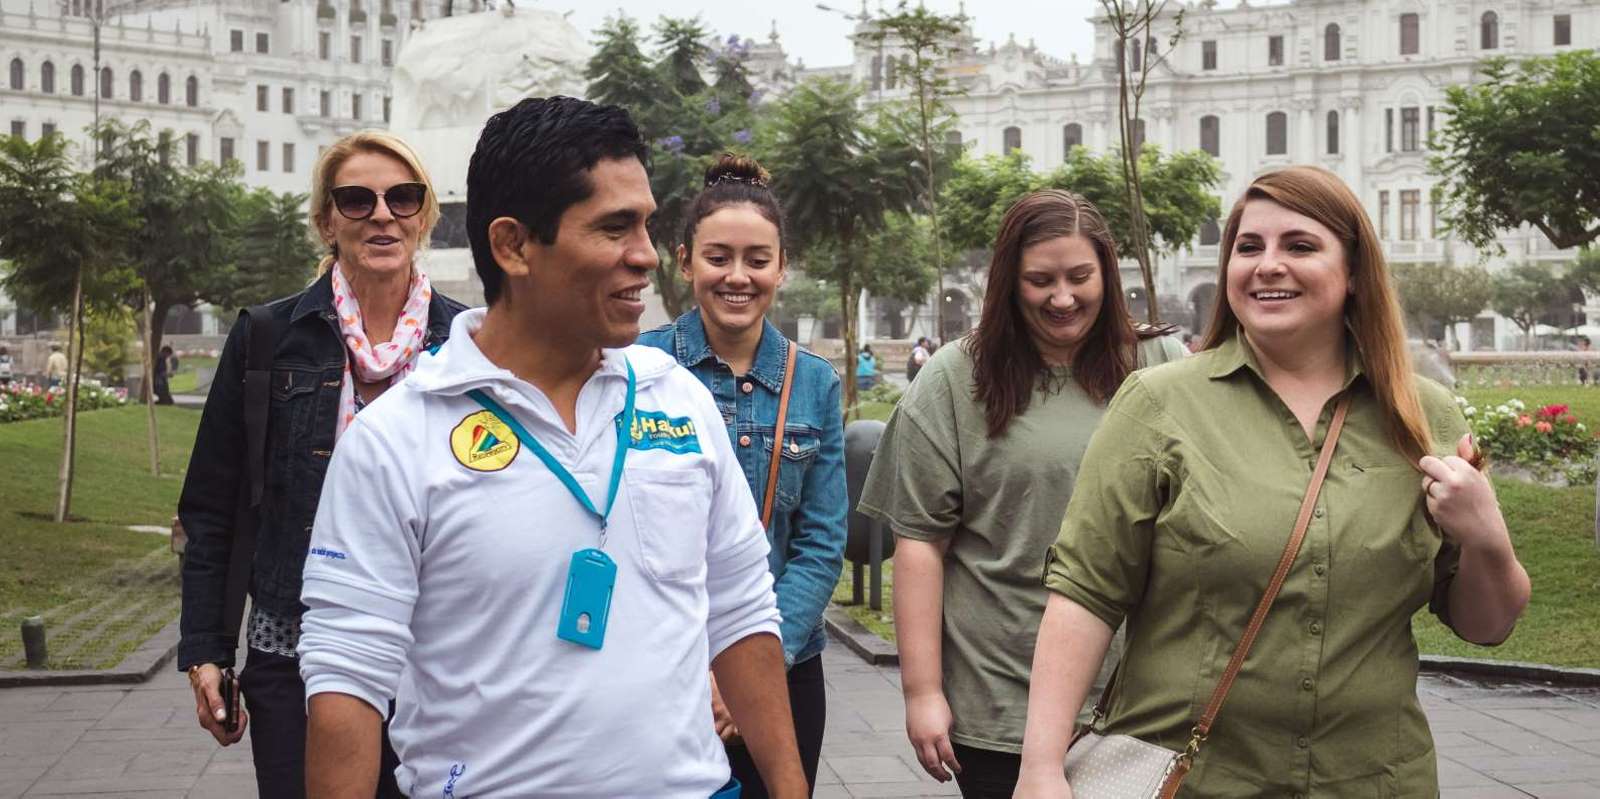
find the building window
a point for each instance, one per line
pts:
(1563, 29)
(1330, 43)
(324, 45)
(135, 86)
(1210, 135)
(1138, 135)
(77, 80)
(263, 156)
(227, 150)
(1410, 203)
(387, 105)
(47, 78)
(1333, 133)
(1275, 51)
(236, 41)
(106, 79)
(1489, 31)
(1383, 215)
(952, 144)
(18, 75)
(1410, 129)
(263, 43)
(355, 49)
(47, 130)
(1071, 136)
(1388, 130)
(1277, 133)
(1012, 140)
(191, 91)
(1208, 54)
(1137, 64)
(164, 147)
(19, 128)
(288, 100)
(164, 89)
(325, 103)
(1210, 233)
(191, 149)
(1409, 34)
(1429, 141)
(355, 106)
(262, 98)
(288, 157)
(877, 72)
(1435, 194)
(388, 52)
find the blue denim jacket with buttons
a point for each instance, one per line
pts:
(807, 533)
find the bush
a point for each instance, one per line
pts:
(21, 401)
(1549, 442)
(882, 392)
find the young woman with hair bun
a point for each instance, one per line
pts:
(734, 258)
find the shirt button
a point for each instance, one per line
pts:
(1320, 569)
(1316, 628)
(1317, 513)
(744, 441)
(748, 387)
(1307, 684)
(1302, 742)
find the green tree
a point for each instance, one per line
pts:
(64, 232)
(829, 168)
(1443, 293)
(979, 192)
(272, 254)
(927, 41)
(1526, 292)
(1521, 148)
(683, 52)
(620, 73)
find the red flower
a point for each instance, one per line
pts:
(1524, 420)
(1570, 419)
(1552, 411)
(1543, 427)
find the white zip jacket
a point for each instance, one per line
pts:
(439, 561)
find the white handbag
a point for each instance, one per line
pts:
(1123, 767)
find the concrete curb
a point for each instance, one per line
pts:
(858, 639)
(872, 649)
(138, 666)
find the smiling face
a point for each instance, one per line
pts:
(1059, 292)
(1288, 275)
(735, 268)
(382, 243)
(588, 285)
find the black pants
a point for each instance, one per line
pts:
(985, 773)
(275, 698)
(163, 391)
(808, 701)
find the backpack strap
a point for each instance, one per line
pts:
(259, 349)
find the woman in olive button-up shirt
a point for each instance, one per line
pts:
(1190, 489)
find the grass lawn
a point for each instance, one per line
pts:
(1553, 532)
(184, 382)
(879, 622)
(102, 589)
(875, 410)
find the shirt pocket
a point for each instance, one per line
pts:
(799, 451)
(671, 517)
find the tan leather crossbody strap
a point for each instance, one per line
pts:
(777, 436)
(1290, 550)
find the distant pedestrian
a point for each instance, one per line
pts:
(1583, 366)
(5, 365)
(919, 356)
(55, 369)
(166, 364)
(866, 368)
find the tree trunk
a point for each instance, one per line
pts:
(150, 335)
(847, 314)
(670, 290)
(74, 367)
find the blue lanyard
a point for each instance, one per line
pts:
(624, 431)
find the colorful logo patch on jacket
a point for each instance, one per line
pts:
(483, 443)
(656, 430)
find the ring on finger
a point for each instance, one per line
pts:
(1428, 489)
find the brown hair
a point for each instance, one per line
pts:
(1373, 312)
(734, 180)
(1007, 364)
(327, 168)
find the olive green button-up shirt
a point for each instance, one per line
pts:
(1187, 495)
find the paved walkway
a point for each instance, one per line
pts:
(1512, 740)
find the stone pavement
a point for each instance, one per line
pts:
(1506, 740)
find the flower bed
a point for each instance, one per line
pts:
(1549, 443)
(21, 401)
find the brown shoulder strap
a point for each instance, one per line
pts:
(777, 436)
(1290, 550)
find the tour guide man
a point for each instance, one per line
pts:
(539, 543)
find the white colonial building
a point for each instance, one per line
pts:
(268, 83)
(1355, 86)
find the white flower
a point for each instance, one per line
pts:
(1502, 408)
(1516, 403)
(1469, 411)
(1581, 427)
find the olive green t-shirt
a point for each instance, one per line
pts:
(937, 475)
(1188, 494)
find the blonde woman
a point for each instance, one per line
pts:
(357, 330)
(1191, 488)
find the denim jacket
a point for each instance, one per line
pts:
(807, 533)
(307, 373)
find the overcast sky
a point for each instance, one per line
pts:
(1059, 27)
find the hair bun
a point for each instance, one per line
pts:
(731, 168)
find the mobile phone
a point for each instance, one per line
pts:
(230, 700)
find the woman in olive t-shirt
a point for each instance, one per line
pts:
(974, 472)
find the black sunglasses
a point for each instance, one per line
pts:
(358, 202)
